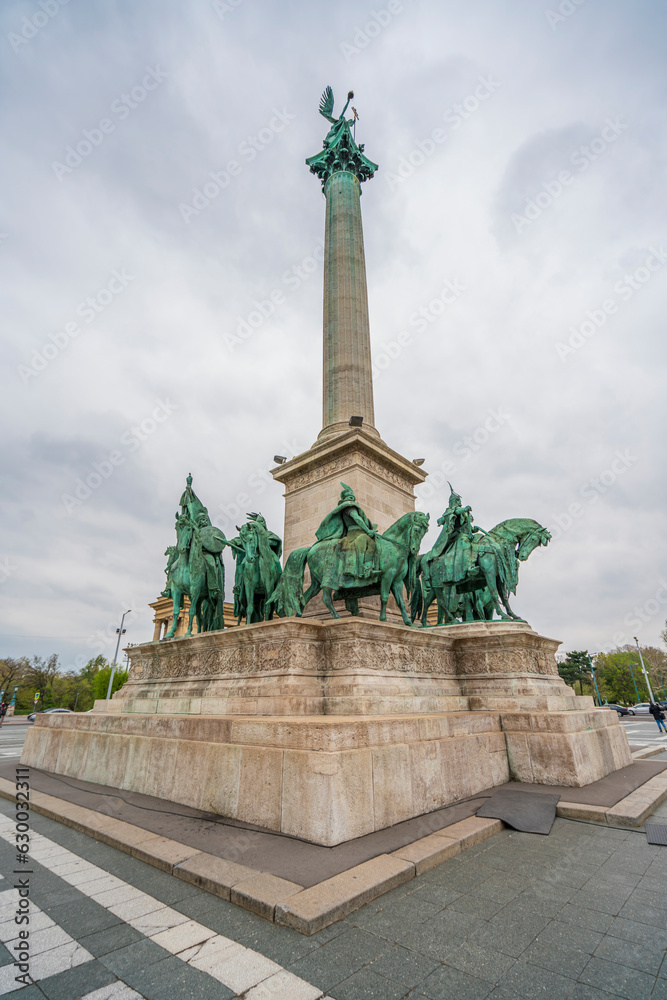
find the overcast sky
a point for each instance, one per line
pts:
(519, 206)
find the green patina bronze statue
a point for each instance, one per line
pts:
(471, 572)
(350, 560)
(257, 552)
(195, 567)
(340, 151)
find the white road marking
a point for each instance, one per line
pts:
(237, 967)
(116, 991)
(52, 950)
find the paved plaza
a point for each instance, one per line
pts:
(581, 914)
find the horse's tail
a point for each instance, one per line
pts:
(414, 587)
(287, 597)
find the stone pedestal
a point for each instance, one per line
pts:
(383, 482)
(328, 731)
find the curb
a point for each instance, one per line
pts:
(628, 812)
(278, 900)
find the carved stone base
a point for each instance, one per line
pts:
(296, 666)
(328, 731)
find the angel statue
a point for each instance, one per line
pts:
(340, 150)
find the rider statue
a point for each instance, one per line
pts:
(265, 583)
(198, 539)
(212, 542)
(356, 532)
(455, 540)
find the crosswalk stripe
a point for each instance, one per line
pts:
(239, 968)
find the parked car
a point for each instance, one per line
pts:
(641, 708)
(48, 711)
(618, 708)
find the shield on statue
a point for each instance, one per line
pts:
(212, 539)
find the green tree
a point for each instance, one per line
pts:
(655, 660)
(93, 667)
(39, 676)
(615, 672)
(11, 673)
(576, 667)
(101, 681)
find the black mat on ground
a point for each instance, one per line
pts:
(656, 833)
(522, 810)
(296, 860)
(605, 792)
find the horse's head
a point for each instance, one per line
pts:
(419, 528)
(250, 536)
(408, 530)
(536, 536)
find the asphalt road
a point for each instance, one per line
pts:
(643, 730)
(12, 736)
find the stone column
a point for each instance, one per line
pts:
(348, 379)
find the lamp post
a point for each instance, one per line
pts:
(641, 660)
(120, 631)
(596, 685)
(662, 682)
(634, 682)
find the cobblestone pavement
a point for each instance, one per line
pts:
(581, 914)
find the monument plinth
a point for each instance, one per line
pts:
(329, 731)
(383, 482)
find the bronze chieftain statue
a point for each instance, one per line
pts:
(350, 560)
(195, 566)
(471, 572)
(257, 552)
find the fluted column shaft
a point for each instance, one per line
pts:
(348, 378)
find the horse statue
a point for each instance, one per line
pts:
(257, 553)
(491, 577)
(195, 567)
(357, 564)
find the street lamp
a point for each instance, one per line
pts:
(120, 632)
(641, 660)
(634, 682)
(596, 685)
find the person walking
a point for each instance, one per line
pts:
(3, 711)
(659, 716)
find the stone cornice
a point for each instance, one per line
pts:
(355, 439)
